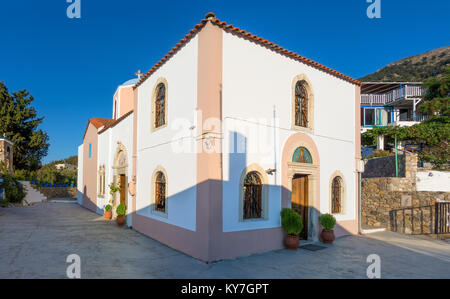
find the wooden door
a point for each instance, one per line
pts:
(299, 201)
(123, 186)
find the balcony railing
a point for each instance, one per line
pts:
(400, 93)
(418, 117)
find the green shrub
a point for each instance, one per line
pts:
(14, 190)
(113, 188)
(433, 134)
(121, 210)
(108, 208)
(49, 174)
(291, 221)
(327, 221)
(21, 174)
(32, 175)
(380, 154)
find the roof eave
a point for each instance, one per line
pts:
(210, 17)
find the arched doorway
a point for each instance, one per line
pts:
(301, 181)
(120, 177)
(300, 189)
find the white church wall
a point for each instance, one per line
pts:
(257, 81)
(155, 148)
(123, 133)
(337, 156)
(108, 144)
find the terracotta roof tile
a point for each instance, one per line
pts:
(113, 122)
(99, 122)
(210, 17)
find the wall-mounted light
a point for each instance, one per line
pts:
(271, 170)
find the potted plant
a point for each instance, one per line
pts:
(120, 211)
(113, 188)
(328, 222)
(108, 212)
(293, 225)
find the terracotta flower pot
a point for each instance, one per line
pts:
(292, 242)
(120, 220)
(328, 236)
(107, 215)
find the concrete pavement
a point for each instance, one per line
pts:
(36, 240)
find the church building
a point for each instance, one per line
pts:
(6, 155)
(221, 134)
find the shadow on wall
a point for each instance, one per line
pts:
(209, 242)
(87, 202)
(384, 167)
(79, 197)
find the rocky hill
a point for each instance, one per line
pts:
(413, 69)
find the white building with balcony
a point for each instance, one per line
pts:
(390, 103)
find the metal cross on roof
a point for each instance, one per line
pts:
(139, 74)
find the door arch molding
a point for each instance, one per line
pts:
(289, 169)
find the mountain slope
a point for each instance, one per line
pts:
(414, 68)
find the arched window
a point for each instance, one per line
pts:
(301, 104)
(302, 155)
(252, 196)
(101, 181)
(336, 195)
(160, 105)
(160, 192)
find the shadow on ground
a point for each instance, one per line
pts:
(36, 240)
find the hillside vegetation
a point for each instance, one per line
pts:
(413, 69)
(49, 174)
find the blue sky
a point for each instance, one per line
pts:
(73, 66)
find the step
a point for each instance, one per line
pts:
(371, 230)
(33, 196)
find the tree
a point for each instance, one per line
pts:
(437, 96)
(433, 134)
(19, 123)
(49, 174)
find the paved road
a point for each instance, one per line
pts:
(35, 241)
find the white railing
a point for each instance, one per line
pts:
(373, 99)
(414, 90)
(420, 117)
(399, 93)
(403, 118)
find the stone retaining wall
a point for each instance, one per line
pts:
(58, 192)
(395, 204)
(379, 202)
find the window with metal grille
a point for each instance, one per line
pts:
(160, 105)
(301, 104)
(160, 192)
(336, 195)
(102, 181)
(252, 196)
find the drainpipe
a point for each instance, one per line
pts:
(360, 171)
(360, 205)
(275, 143)
(396, 157)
